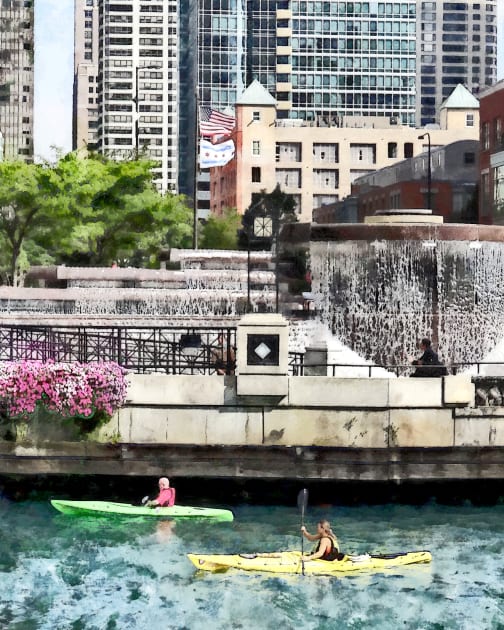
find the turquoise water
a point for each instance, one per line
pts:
(62, 572)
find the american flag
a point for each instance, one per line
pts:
(214, 123)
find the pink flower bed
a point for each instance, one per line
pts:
(69, 389)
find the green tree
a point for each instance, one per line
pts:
(221, 232)
(89, 210)
(127, 218)
(28, 206)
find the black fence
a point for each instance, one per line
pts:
(171, 350)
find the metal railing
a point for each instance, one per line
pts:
(298, 367)
(171, 350)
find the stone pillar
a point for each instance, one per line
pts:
(315, 360)
(262, 355)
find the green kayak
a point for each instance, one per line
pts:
(111, 508)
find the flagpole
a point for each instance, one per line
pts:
(197, 134)
(196, 173)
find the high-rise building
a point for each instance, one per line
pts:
(321, 61)
(398, 59)
(388, 58)
(132, 76)
(457, 43)
(16, 79)
(85, 89)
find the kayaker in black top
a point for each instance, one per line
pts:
(328, 547)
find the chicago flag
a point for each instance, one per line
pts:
(216, 154)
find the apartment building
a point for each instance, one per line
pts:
(129, 68)
(491, 199)
(396, 59)
(16, 79)
(85, 88)
(457, 43)
(317, 161)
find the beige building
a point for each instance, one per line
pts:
(316, 162)
(85, 114)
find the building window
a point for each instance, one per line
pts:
(256, 147)
(469, 120)
(365, 153)
(324, 178)
(256, 174)
(325, 152)
(288, 152)
(392, 149)
(499, 189)
(288, 177)
(256, 116)
(486, 136)
(408, 149)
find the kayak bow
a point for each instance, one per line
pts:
(111, 508)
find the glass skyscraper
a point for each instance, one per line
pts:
(321, 61)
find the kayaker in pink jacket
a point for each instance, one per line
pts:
(166, 496)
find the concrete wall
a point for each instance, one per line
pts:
(321, 428)
(317, 411)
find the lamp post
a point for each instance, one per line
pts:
(429, 169)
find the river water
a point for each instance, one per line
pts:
(63, 572)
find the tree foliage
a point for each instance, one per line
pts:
(221, 232)
(85, 210)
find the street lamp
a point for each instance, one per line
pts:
(429, 169)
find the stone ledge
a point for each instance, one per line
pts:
(266, 462)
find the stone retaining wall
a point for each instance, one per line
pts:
(344, 428)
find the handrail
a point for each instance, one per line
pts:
(141, 349)
(168, 349)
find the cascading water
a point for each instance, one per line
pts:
(381, 288)
(209, 284)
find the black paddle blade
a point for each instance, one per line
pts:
(302, 500)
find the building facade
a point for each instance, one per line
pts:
(85, 87)
(451, 194)
(317, 163)
(321, 61)
(456, 43)
(327, 60)
(16, 79)
(136, 85)
(491, 199)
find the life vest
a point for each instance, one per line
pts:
(332, 554)
(166, 497)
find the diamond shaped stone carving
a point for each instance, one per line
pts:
(262, 350)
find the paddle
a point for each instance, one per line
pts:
(302, 502)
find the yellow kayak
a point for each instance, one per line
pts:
(291, 562)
